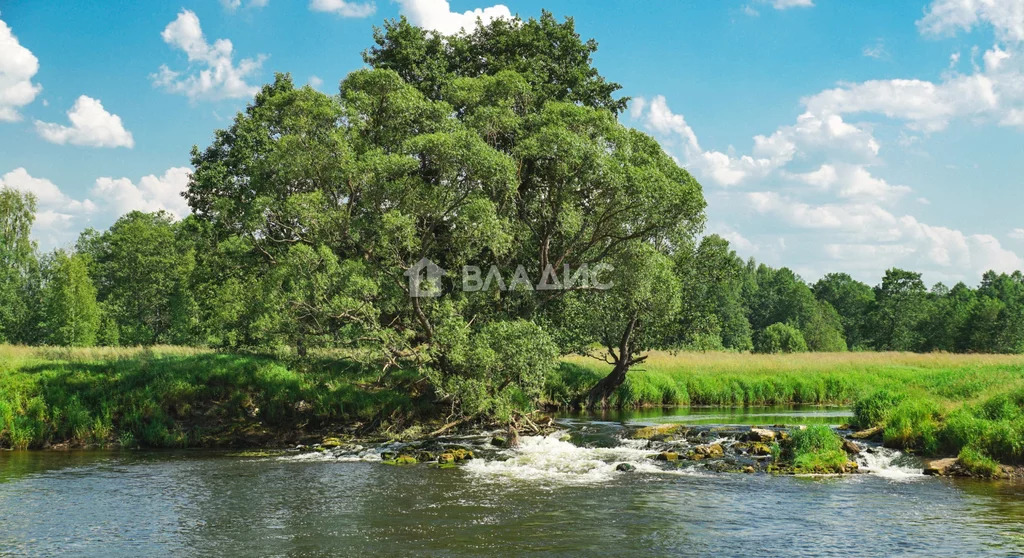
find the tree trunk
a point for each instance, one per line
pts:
(599, 394)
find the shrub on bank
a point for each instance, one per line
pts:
(874, 409)
(815, 449)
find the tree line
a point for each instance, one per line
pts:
(497, 147)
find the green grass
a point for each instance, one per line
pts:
(180, 397)
(936, 403)
(734, 379)
(815, 449)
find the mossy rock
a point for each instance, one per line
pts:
(749, 469)
(462, 454)
(657, 432)
(760, 448)
(330, 443)
(446, 458)
(388, 455)
(668, 456)
(710, 451)
(405, 460)
(425, 456)
(499, 441)
(625, 467)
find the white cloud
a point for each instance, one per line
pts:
(232, 5)
(810, 134)
(60, 217)
(852, 182)
(17, 66)
(946, 17)
(876, 50)
(219, 77)
(868, 233)
(153, 193)
(787, 4)
(91, 125)
(315, 82)
(437, 15)
(1016, 234)
(343, 8)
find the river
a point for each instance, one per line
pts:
(553, 496)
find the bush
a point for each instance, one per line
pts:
(874, 409)
(816, 449)
(978, 463)
(780, 338)
(913, 424)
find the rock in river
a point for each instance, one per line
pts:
(761, 435)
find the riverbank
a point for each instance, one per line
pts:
(167, 397)
(970, 407)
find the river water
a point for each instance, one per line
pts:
(554, 495)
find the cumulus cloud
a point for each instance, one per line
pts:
(152, 193)
(60, 217)
(437, 15)
(343, 8)
(869, 233)
(17, 67)
(852, 182)
(810, 134)
(216, 76)
(817, 191)
(315, 82)
(91, 125)
(946, 17)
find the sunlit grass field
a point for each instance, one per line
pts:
(934, 403)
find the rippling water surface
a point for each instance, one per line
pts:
(552, 496)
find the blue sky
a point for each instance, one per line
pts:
(828, 135)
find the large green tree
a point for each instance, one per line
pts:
(71, 315)
(432, 156)
(901, 307)
(19, 269)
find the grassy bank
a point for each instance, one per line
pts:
(805, 378)
(183, 397)
(935, 404)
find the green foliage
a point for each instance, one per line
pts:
(977, 463)
(498, 370)
(815, 449)
(780, 338)
(874, 409)
(913, 424)
(852, 301)
(71, 315)
(18, 267)
(177, 398)
(901, 307)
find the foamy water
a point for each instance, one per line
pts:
(882, 462)
(552, 460)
